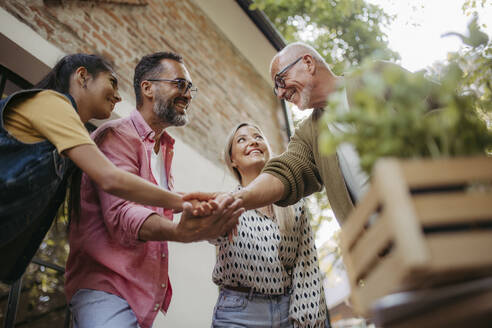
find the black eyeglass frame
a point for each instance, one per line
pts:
(179, 85)
(278, 80)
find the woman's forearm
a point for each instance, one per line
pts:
(121, 183)
(131, 187)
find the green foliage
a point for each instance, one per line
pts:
(389, 112)
(470, 6)
(42, 301)
(329, 252)
(475, 38)
(343, 31)
(475, 61)
(317, 206)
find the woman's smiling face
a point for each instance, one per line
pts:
(102, 89)
(249, 148)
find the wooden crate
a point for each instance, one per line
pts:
(422, 223)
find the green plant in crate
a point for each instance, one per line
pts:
(397, 113)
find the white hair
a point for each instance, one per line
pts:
(297, 49)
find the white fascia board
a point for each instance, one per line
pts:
(242, 32)
(28, 39)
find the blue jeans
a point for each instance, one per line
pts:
(97, 309)
(238, 309)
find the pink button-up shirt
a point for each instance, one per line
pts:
(105, 252)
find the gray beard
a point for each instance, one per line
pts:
(165, 110)
(305, 96)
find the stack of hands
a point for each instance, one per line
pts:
(209, 215)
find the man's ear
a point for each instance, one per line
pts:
(310, 63)
(146, 88)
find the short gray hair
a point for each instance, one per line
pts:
(298, 49)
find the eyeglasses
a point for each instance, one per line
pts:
(279, 79)
(182, 85)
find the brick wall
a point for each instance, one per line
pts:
(230, 90)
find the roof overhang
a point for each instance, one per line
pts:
(249, 31)
(264, 24)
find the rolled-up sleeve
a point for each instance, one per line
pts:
(122, 218)
(296, 167)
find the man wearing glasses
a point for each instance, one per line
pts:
(302, 77)
(117, 270)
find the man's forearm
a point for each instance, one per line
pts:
(264, 190)
(158, 228)
(192, 228)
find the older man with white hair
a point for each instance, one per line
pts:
(301, 76)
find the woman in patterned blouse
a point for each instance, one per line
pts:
(268, 273)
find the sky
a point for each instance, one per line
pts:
(416, 32)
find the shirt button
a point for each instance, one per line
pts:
(156, 307)
(163, 285)
(163, 255)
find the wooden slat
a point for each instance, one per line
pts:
(470, 311)
(442, 172)
(460, 251)
(354, 225)
(384, 280)
(416, 258)
(453, 208)
(402, 218)
(366, 249)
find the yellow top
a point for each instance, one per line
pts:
(48, 115)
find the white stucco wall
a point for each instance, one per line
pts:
(191, 265)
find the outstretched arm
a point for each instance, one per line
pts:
(266, 189)
(123, 184)
(190, 228)
(285, 179)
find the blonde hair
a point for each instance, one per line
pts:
(285, 215)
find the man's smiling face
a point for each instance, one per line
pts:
(292, 80)
(170, 103)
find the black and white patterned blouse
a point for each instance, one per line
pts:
(262, 258)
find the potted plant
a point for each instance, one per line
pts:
(426, 218)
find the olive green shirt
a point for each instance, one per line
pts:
(303, 170)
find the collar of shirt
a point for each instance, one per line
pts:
(146, 132)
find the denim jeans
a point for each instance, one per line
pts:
(239, 309)
(97, 309)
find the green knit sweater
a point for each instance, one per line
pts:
(303, 170)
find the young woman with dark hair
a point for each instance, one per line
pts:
(42, 136)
